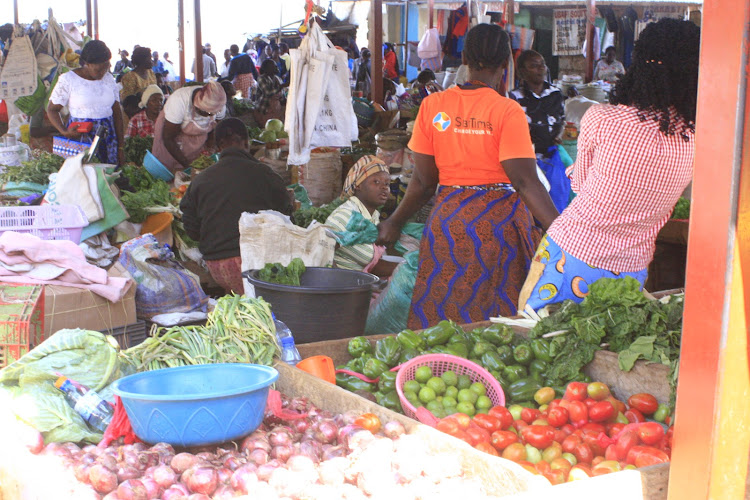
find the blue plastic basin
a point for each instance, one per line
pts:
(196, 405)
(157, 168)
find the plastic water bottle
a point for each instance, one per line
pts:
(87, 403)
(289, 352)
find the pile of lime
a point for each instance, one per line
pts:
(446, 394)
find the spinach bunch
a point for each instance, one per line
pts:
(37, 170)
(135, 149)
(158, 195)
(304, 217)
(283, 275)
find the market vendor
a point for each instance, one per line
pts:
(91, 95)
(608, 68)
(366, 188)
(635, 158)
(141, 76)
(268, 95)
(242, 72)
(182, 129)
(142, 123)
(215, 200)
(474, 146)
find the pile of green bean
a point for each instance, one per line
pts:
(238, 330)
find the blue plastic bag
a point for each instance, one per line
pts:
(554, 170)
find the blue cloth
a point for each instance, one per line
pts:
(566, 277)
(107, 150)
(554, 170)
(159, 67)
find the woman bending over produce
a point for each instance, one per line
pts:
(366, 188)
(635, 158)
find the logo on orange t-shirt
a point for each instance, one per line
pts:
(441, 121)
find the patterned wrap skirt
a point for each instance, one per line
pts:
(474, 256)
(227, 273)
(107, 149)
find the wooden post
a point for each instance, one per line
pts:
(198, 42)
(181, 39)
(590, 34)
(510, 11)
(376, 49)
(96, 19)
(15, 11)
(431, 12)
(89, 20)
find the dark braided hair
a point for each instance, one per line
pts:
(664, 75)
(95, 52)
(487, 46)
(525, 56)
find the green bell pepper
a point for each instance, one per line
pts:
(356, 365)
(388, 350)
(387, 381)
(523, 355)
(498, 335)
(458, 349)
(391, 401)
(353, 384)
(538, 367)
(359, 346)
(512, 373)
(409, 339)
(506, 354)
(540, 348)
(374, 367)
(457, 338)
(523, 389)
(439, 334)
(491, 361)
(476, 360)
(480, 348)
(407, 354)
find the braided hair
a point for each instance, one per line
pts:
(664, 76)
(487, 46)
(95, 52)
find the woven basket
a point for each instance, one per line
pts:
(322, 176)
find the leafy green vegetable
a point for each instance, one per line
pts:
(135, 148)
(242, 106)
(681, 209)
(37, 170)
(138, 177)
(158, 195)
(202, 162)
(254, 132)
(305, 217)
(289, 275)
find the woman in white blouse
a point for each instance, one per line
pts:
(91, 95)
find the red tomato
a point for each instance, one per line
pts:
(627, 440)
(519, 424)
(528, 415)
(576, 391)
(641, 456)
(597, 460)
(515, 452)
(583, 453)
(463, 420)
(564, 403)
(487, 448)
(619, 405)
(462, 435)
(634, 416)
(594, 427)
(560, 435)
(557, 416)
(610, 453)
(561, 464)
(597, 391)
(554, 403)
(368, 421)
(570, 443)
(556, 476)
(589, 402)
(477, 435)
(502, 439)
(538, 436)
(487, 422)
(602, 411)
(578, 412)
(651, 433)
(614, 428)
(542, 467)
(552, 452)
(568, 429)
(643, 402)
(448, 425)
(592, 439)
(503, 415)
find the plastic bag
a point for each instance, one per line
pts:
(70, 186)
(390, 311)
(358, 231)
(554, 170)
(163, 284)
(429, 46)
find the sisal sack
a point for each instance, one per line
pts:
(322, 176)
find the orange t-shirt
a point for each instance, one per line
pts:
(469, 132)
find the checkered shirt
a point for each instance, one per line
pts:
(140, 125)
(628, 177)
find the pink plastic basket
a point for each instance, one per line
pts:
(441, 363)
(48, 222)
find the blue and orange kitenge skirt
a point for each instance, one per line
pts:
(475, 253)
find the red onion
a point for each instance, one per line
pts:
(280, 436)
(102, 479)
(153, 490)
(126, 472)
(298, 404)
(108, 461)
(72, 448)
(258, 456)
(207, 456)
(334, 452)
(224, 474)
(132, 489)
(182, 462)
(57, 449)
(164, 476)
(326, 432)
(282, 452)
(201, 480)
(347, 418)
(176, 492)
(393, 429)
(81, 472)
(311, 449)
(244, 479)
(138, 447)
(232, 462)
(264, 471)
(224, 492)
(300, 426)
(87, 458)
(252, 443)
(90, 448)
(165, 447)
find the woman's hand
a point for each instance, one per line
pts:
(71, 133)
(388, 233)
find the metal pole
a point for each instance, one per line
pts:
(431, 12)
(181, 39)
(89, 20)
(406, 36)
(96, 19)
(198, 42)
(15, 11)
(376, 49)
(590, 34)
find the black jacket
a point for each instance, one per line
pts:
(212, 206)
(241, 65)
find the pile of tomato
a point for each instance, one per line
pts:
(586, 433)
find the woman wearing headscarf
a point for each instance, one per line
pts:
(366, 188)
(142, 123)
(135, 81)
(90, 93)
(182, 129)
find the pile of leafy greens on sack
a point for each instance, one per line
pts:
(135, 148)
(138, 203)
(304, 217)
(615, 312)
(87, 357)
(283, 275)
(37, 170)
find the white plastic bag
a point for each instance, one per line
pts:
(70, 186)
(19, 72)
(429, 46)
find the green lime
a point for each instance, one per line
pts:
(439, 399)
(466, 407)
(433, 406)
(451, 391)
(437, 385)
(467, 396)
(483, 403)
(411, 395)
(464, 382)
(449, 378)
(423, 374)
(440, 413)
(411, 385)
(479, 388)
(426, 394)
(483, 410)
(449, 402)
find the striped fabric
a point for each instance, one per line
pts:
(474, 257)
(355, 257)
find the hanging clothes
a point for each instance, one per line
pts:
(458, 25)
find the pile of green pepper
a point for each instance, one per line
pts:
(520, 364)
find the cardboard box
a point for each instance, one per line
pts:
(69, 307)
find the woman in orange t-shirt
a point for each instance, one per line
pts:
(474, 146)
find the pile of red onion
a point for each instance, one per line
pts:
(321, 456)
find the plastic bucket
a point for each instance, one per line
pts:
(157, 168)
(320, 366)
(160, 225)
(329, 304)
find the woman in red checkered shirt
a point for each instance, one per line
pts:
(635, 158)
(142, 123)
